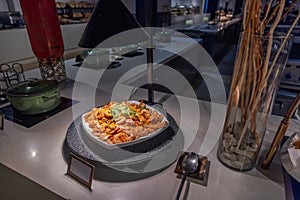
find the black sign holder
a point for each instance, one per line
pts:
(81, 170)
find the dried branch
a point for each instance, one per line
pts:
(263, 86)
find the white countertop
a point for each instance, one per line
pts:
(37, 153)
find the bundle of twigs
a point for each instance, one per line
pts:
(252, 66)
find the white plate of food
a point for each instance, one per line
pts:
(292, 144)
(119, 124)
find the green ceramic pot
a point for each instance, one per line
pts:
(34, 97)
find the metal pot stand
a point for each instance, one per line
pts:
(12, 74)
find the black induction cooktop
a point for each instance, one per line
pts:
(31, 120)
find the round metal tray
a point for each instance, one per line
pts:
(146, 156)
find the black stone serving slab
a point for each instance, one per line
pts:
(153, 154)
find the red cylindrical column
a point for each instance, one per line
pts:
(45, 36)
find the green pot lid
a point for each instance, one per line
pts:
(32, 88)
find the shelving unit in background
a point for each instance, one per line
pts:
(74, 12)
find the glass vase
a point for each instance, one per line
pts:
(259, 63)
